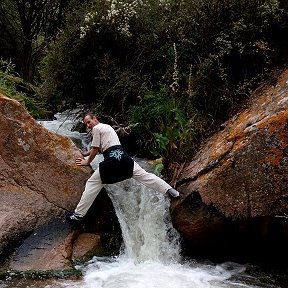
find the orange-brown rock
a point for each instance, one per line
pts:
(39, 181)
(240, 173)
(87, 244)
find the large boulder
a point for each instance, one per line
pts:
(236, 186)
(39, 181)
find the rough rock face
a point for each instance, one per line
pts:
(240, 175)
(39, 180)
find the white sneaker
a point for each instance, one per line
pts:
(74, 218)
(174, 193)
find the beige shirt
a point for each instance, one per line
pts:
(104, 136)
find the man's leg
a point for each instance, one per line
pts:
(152, 181)
(92, 188)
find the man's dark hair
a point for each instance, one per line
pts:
(88, 114)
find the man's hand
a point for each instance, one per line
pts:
(92, 153)
(82, 162)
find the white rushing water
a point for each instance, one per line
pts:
(151, 249)
(63, 124)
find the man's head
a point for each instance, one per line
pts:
(90, 120)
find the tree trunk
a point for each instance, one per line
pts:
(27, 62)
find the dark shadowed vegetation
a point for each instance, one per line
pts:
(178, 68)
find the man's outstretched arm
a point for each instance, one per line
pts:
(92, 154)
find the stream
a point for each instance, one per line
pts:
(150, 256)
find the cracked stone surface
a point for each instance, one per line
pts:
(39, 179)
(241, 172)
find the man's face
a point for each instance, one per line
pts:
(90, 122)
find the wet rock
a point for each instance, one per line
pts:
(39, 182)
(87, 245)
(46, 248)
(242, 172)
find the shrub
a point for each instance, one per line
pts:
(11, 86)
(178, 66)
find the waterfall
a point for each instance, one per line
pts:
(150, 256)
(143, 214)
(144, 218)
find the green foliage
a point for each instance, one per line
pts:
(176, 66)
(87, 69)
(226, 43)
(25, 28)
(161, 142)
(158, 169)
(165, 123)
(10, 85)
(235, 46)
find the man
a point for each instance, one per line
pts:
(117, 166)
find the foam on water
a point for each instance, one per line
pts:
(124, 272)
(63, 124)
(151, 249)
